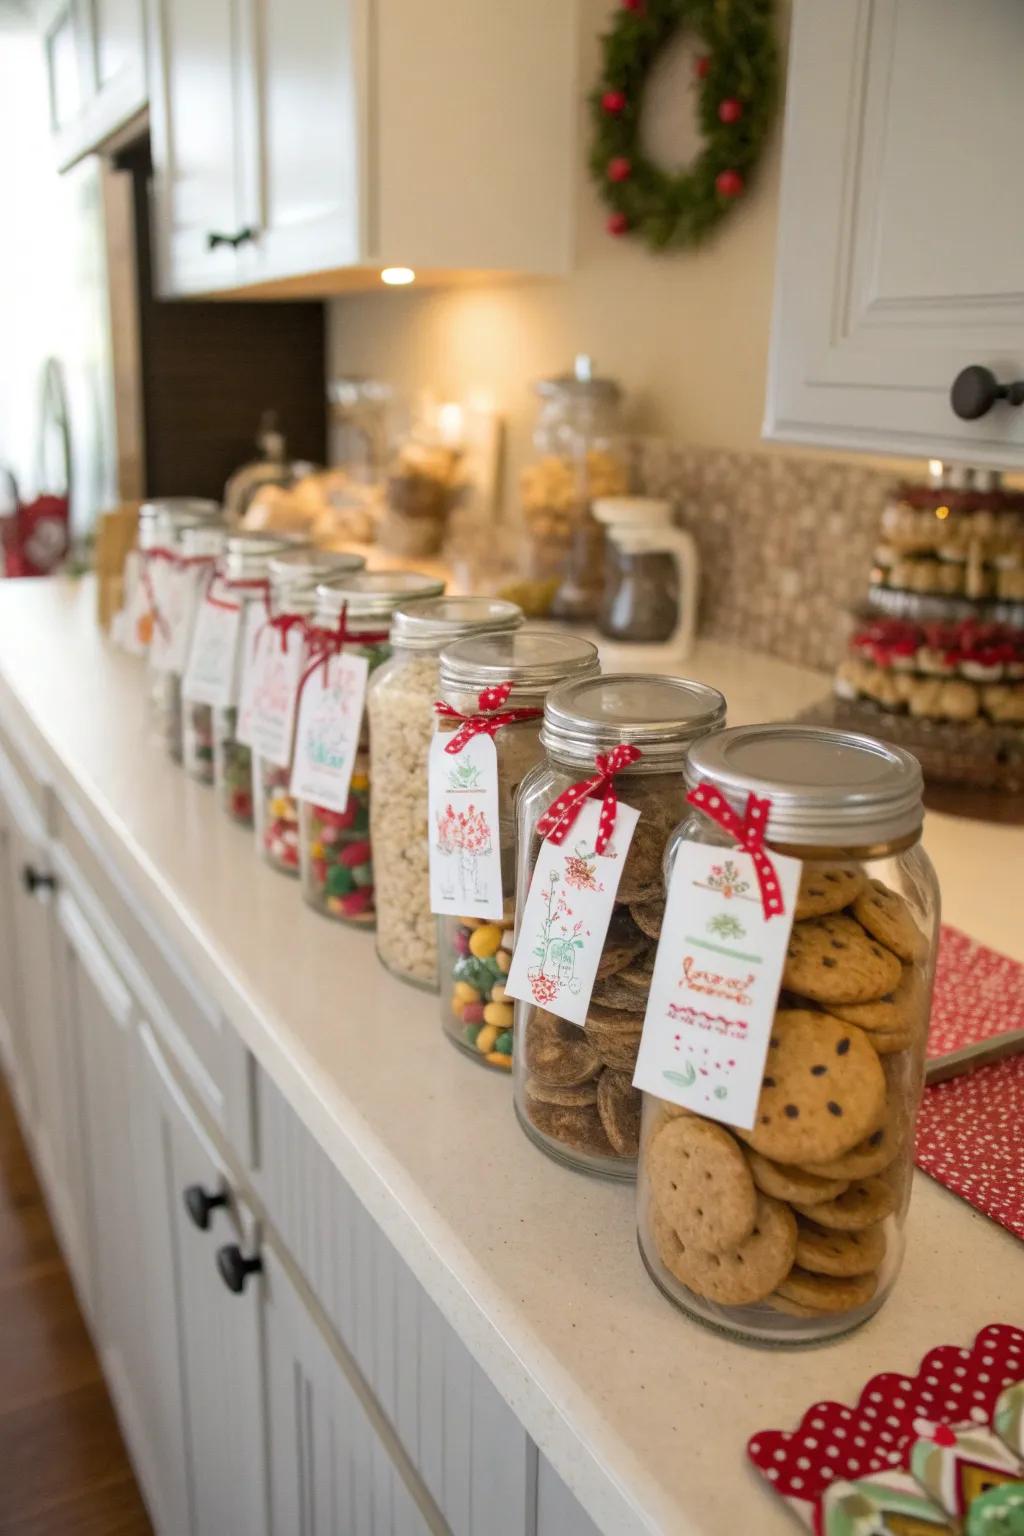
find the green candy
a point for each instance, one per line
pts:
(340, 881)
(363, 874)
(504, 1042)
(476, 972)
(471, 1032)
(361, 822)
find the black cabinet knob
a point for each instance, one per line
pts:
(36, 880)
(241, 236)
(199, 1203)
(976, 390)
(235, 1268)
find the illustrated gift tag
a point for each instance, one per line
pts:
(327, 732)
(715, 984)
(565, 920)
(254, 622)
(177, 589)
(132, 623)
(275, 687)
(210, 673)
(464, 845)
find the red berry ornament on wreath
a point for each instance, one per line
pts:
(734, 77)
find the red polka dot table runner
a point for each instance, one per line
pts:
(969, 1129)
(915, 1452)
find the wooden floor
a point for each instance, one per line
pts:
(63, 1466)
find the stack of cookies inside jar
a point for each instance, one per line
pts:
(792, 1229)
(574, 1089)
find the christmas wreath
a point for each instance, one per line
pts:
(737, 72)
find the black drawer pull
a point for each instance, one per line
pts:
(976, 390)
(37, 880)
(199, 1203)
(235, 1268)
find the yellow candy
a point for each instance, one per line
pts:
(457, 1008)
(359, 781)
(499, 1059)
(486, 1038)
(483, 942)
(281, 807)
(503, 960)
(316, 850)
(464, 993)
(500, 1015)
(497, 994)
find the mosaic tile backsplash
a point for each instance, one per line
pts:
(785, 543)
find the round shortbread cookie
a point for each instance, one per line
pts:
(741, 1275)
(900, 1011)
(557, 1052)
(579, 1128)
(822, 1092)
(789, 1183)
(569, 1095)
(619, 994)
(826, 888)
(887, 916)
(615, 1049)
(648, 916)
(701, 1182)
(839, 1253)
(826, 1293)
(622, 943)
(866, 1202)
(832, 960)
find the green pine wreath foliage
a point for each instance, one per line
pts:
(738, 65)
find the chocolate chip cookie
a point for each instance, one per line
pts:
(833, 960)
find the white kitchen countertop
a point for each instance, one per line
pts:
(643, 1413)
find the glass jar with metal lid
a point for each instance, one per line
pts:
(474, 954)
(180, 543)
(339, 870)
(294, 576)
(201, 547)
(799, 1234)
(401, 712)
(573, 1085)
(243, 581)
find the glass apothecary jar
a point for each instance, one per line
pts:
(243, 579)
(294, 577)
(580, 456)
(573, 1085)
(401, 710)
(339, 872)
(474, 954)
(793, 1231)
(167, 530)
(202, 548)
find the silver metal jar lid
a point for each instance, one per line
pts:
(662, 716)
(200, 539)
(248, 555)
(306, 566)
(431, 625)
(195, 508)
(533, 660)
(371, 597)
(828, 788)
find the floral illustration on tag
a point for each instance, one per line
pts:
(725, 878)
(581, 869)
(463, 838)
(703, 1063)
(328, 725)
(725, 926)
(557, 944)
(464, 775)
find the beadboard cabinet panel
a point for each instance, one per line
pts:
(899, 248)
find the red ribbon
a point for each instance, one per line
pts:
(749, 835)
(322, 644)
(489, 719)
(563, 811)
(261, 586)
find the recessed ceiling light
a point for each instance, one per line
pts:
(397, 277)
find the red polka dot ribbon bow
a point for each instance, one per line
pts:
(489, 719)
(749, 835)
(562, 812)
(322, 644)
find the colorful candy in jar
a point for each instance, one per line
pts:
(233, 769)
(338, 866)
(199, 742)
(280, 820)
(477, 962)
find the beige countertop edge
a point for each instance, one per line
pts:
(644, 1414)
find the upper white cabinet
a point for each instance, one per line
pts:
(901, 227)
(325, 139)
(96, 64)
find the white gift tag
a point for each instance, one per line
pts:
(327, 732)
(254, 622)
(131, 626)
(210, 673)
(564, 923)
(716, 983)
(464, 841)
(177, 589)
(275, 687)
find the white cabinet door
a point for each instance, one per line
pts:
(196, 139)
(901, 227)
(204, 1367)
(303, 74)
(334, 1467)
(96, 64)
